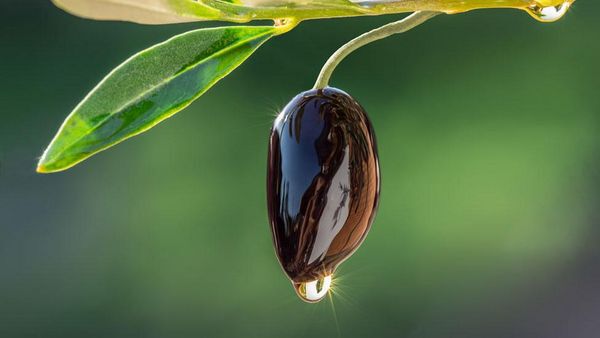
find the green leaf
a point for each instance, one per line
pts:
(174, 11)
(148, 88)
(140, 11)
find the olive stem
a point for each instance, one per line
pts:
(401, 26)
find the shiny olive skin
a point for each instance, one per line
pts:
(322, 183)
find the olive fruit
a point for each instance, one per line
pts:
(322, 186)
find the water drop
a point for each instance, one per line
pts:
(313, 291)
(549, 13)
(281, 22)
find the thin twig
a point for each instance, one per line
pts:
(401, 26)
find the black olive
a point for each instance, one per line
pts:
(322, 186)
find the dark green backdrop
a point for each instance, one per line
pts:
(488, 127)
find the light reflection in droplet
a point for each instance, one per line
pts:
(549, 13)
(313, 291)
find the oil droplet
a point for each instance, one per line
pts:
(549, 13)
(281, 22)
(313, 291)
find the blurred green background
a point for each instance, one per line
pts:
(488, 129)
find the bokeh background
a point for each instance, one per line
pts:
(488, 129)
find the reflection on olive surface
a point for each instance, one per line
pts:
(322, 184)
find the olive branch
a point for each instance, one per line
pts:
(160, 81)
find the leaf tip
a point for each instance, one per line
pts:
(49, 168)
(45, 166)
(42, 170)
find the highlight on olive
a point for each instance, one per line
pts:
(323, 184)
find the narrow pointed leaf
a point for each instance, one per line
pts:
(148, 88)
(140, 11)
